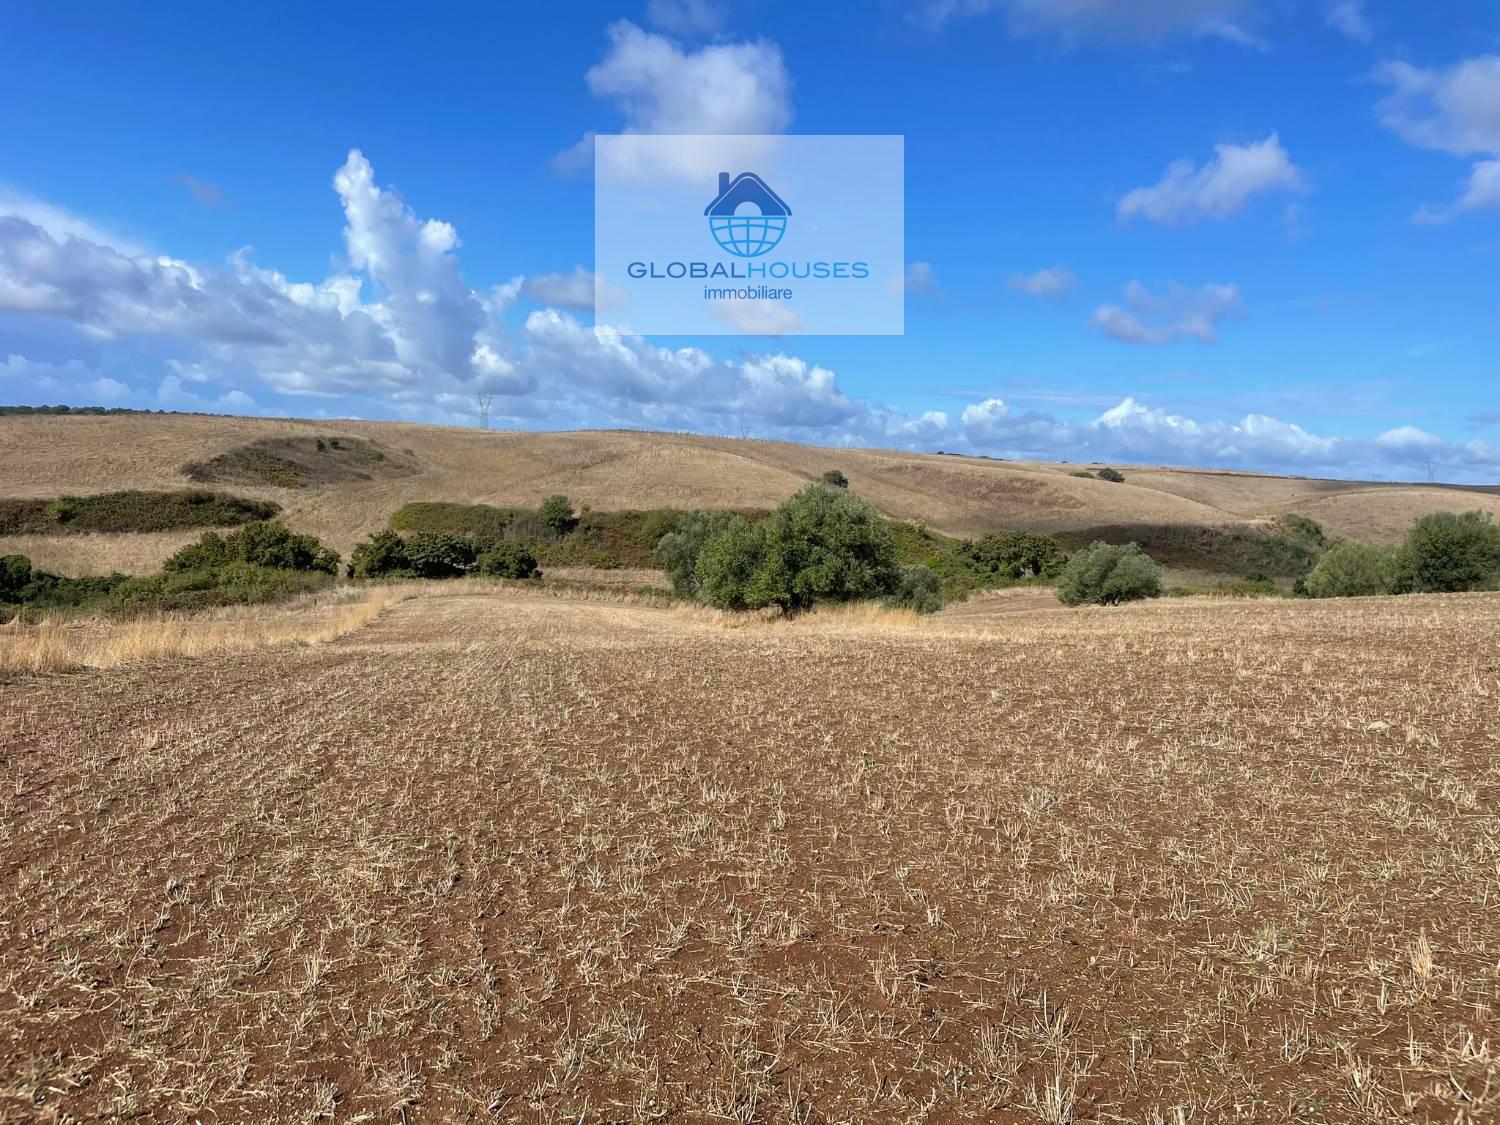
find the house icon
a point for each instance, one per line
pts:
(759, 228)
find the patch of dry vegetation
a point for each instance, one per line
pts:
(528, 858)
(56, 644)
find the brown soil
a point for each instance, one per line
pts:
(525, 858)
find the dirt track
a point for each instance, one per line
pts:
(519, 858)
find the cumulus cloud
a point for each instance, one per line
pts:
(404, 329)
(1055, 283)
(1178, 313)
(1455, 110)
(658, 87)
(427, 325)
(1219, 188)
(577, 290)
(60, 223)
(1348, 18)
(1110, 21)
(1132, 431)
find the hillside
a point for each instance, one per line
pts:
(342, 479)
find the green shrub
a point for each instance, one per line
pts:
(270, 545)
(1236, 550)
(15, 576)
(835, 478)
(557, 513)
(1305, 529)
(823, 544)
(1352, 570)
(728, 562)
(1108, 574)
(1084, 473)
(1018, 554)
(1449, 551)
(677, 551)
(432, 554)
(460, 519)
(382, 555)
(1114, 476)
(234, 583)
(115, 512)
(918, 588)
(507, 560)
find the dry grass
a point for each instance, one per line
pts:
(517, 857)
(131, 553)
(57, 644)
(49, 455)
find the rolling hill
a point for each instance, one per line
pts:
(342, 479)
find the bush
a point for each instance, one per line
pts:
(15, 576)
(1352, 570)
(114, 512)
(557, 515)
(381, 555)
(1018, 554)
(432, 554)
(677, 551)
(836, 478)
(234, 583)
(270, 545)
(1447, 552)
(460, 519)
(1114, 476)
(507, 560)
(728, 562)
(823, 544)
(1107, 574)
(1239, 551)
(917, 588)
(1084, 473)
(1304, 528)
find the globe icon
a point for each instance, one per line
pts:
(746, 218)
(747, 236)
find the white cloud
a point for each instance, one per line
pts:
(1181, 313)
(576, 290)
(108, 390)
(60, 224)
(1110, 21)
(660, 88)
(301, 338)
(758, 318)
(421, 350)
(686, 17)
(1220, 188)
(1348, 18)
(1132, 431)
(1484, 187)
(1055, 283)
(1456, 110)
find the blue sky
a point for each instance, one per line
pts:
(1249, 233)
